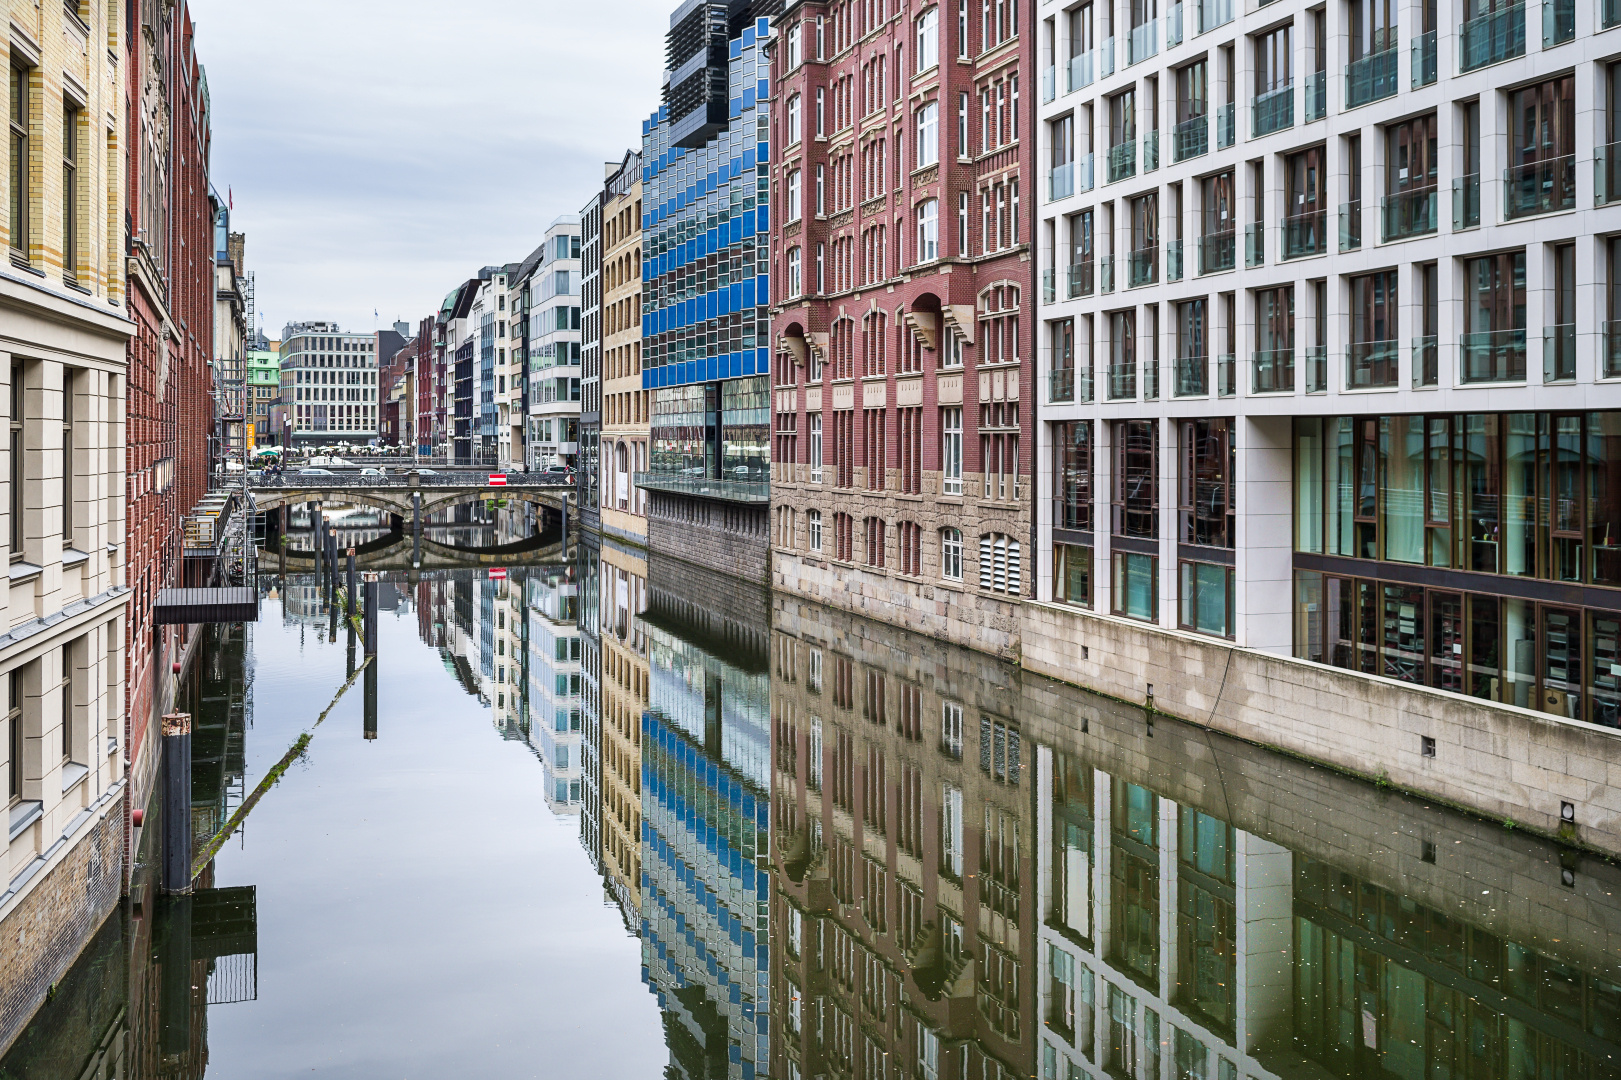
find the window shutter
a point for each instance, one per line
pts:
(985, 743)
(1013, 572)
(985, 562)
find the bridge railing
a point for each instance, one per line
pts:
(348, 481)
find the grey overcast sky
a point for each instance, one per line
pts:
(379, 152)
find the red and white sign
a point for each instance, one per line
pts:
(498, 573)
(498, 479)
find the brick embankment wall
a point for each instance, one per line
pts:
(728, 537)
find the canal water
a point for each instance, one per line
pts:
(596, 814)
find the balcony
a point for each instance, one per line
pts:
(1192, 376)
(1190, 138)
(1173, 260)
(1558, 22)
(1559, 353)
(1214, 13)
(1142, 267)
(1493, 356)
(1061, 386)
(1607, 174)
(1273, 372)
(1424, 64)
(1079, 280)
(1466, 202)
(1226, 376)
(1122, 382)
(738, 491)
(1372, 364)
(1410, 213)
(1061, 181)
(1106, 58)
(1426, 361)
(1082, 70)
(1305, 234)
(1316, 96)
(1085, 179)
(1123, 160)
(1049, 289)
(1217, 252)
(1142, 42)
(1226, 129)
(1610, 362)
(1049, 83)
(1151, 151)
(1372, 77)
(1540, 187)
(1173, 26)
(1350, 225)
(1316, 369)
(1255, 243)
(1150, 380)
(1492, 38)
(1273, 111)
(1106, 274)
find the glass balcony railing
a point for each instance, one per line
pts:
(1273, 372)
(1142, 267)
(1085, 172)
(1049, 286)
(1061, 181)
(1151, 151)
(1350, 226)
(1424, 66)
(1492, 38)
(1106, 58)
(1255, 243)
(1273, 111)
(1173, 260)
(1316, 96)
(1493, 356)
(1371, 364)
(1049, 84)
(1122, 382)
(1607, 174)
(1610, 362)
(1106, 274)
(1409, 213)
(1559, 353)
(1191, 376)
(1150, 380)
(1317, 370)
(1426, 361)
(1060, 386)
(1078, 281)
(1173, 26)
(1372, 77)
(1609, 14)
(1082, 70)
(1226, 131)
(1072, 511)
(1226, 376)
(1558, 22)
(1190, 138)
(1466, 202)
(1305, 234)
(1142, 42)
(1540, 187)
(1214, 13)
(1217, 251)
(1123, 160)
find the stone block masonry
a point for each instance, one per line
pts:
(728, 537)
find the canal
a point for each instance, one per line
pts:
(600, 814)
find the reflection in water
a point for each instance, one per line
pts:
(852, 852)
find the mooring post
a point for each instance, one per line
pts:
(373, 588)
(369, 716)
(177, 803)
(176, 988)
(354, 600)
(416, 511)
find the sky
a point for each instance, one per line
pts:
(379, 153)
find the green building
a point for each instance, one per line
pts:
(264, 389)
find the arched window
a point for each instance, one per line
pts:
(928, 39)
(813, 530)
(793, 131)
(911, 548)
(795, 278)
(951, 553)
(928, 135)
(795, 203)
(928, 230)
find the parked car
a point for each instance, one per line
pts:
(557, 470)
(427, 472)
(372, 472)
(316, 472)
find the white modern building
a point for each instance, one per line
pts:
(554, 348)
(1327, 362)
(329, 382)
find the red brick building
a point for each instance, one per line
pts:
(170, 266)
(903, 328)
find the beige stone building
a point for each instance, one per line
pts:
(624, 446)
(63, 331)
(624, 699)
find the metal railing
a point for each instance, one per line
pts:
(1558, 22)
(1173, 260)
(1425, 68)
(1123, 160)
(1372, 77)
(1466, 202)
(1061, 181)
(1217, 251)
(1226, 376)
(1316, 96)
(1078, 280)
(1317, 369)
(1190, 138)
(1255, 243)
(1142, 42)
(1492, 38)
(1122, 382)
(1214, 13)
(1607, 173)
(1371, 364)
(1493, 356)
(1151, 151)
(1142, 266)
(1049, 83)
(1426, 361)
(1273, 110)
(1273, 372)
(1540, 187)
(1191, 377)
(1410, 213)
(1351, 225)
(1559, 353)
(1305, 234)
(1226, 130)
(296, 479)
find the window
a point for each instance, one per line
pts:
(951, 838)
(951, 449)
(795, 46)
(67, 702)
(928, 135)
(1207, 598)
(1136, 479)
(963, 241)
(821, 111)
(794, 279)
(999, 564)
(815, 431)
(1072, 574)
(813, 526)
(795, 209)
(18, 461)
(951, 558)
(928, 39)
(910, 536)
(821, 191)
(1072, 475)
(928, 230)
(67, 457)
(70, 193)
(793, 132)
(21, 192)
(843, 538)
(1374, 354)
(1493, 318)
(1208, 464)
(14, 739)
